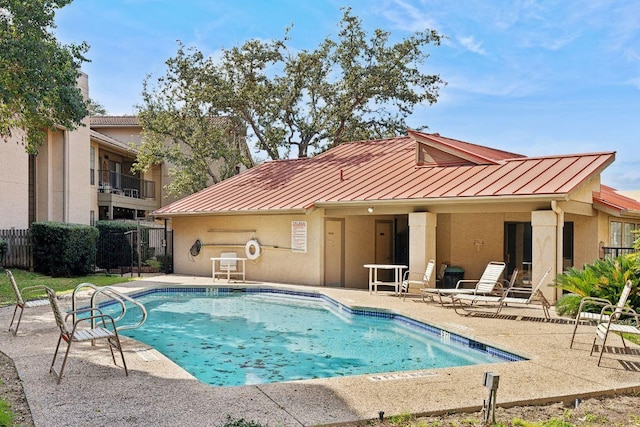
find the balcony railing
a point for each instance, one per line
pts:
(125, 185)
(613, 252)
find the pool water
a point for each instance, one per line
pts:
(234, 338)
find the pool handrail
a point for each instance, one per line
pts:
(115, 295)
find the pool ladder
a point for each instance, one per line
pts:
(113, 294)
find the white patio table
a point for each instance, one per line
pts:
(373, 276)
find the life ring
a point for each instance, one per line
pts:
(252, 249)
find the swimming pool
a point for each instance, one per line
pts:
(228, 338)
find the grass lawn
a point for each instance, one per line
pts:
(59, 284)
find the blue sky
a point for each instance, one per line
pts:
(531, 77)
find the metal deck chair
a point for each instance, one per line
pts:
(98, 330)
(488, 284)
(512, 295)
(407, 280)
(617, 319)
(23, 301)
(587, 303)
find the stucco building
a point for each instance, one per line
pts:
(83, 175)
(405, 200)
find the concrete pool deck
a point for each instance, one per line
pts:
(159, 393)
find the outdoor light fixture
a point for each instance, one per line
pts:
(370, 210)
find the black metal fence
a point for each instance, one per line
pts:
(136, 251)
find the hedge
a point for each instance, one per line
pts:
(61, 249)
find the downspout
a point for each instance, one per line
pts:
(559, 239)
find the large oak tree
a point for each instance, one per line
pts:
(351, 87)
(38, 75)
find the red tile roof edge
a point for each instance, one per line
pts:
(609, 197)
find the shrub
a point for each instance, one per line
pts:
(4, 246)
(602, 279)
(63, 249)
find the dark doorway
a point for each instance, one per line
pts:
(517, 249)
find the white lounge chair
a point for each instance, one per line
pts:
(24, 300)
(617, 319)
(412, 278)
(587, 303)
(488, 284)
(513, 295)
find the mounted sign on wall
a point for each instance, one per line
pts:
(299, 236)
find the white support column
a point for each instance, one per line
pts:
(544, 237)
(422, 241)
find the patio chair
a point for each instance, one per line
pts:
(488, 284)
(588, 303)
(407, 280)
(618, 319)
(98, 322)
(23, 299)
(512, 295)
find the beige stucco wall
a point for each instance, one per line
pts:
(125, 134)
(78, 180)
(586, 238)
(474, 241)
(14, 182)
(278, 265)
(230, 234)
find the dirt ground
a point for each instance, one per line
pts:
(612, 411)
(621, 411)
(12, 393)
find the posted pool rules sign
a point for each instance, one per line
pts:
(299, 236)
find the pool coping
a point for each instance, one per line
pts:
(95, 392)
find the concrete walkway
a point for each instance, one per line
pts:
(159, 393)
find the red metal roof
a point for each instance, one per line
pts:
(609, 198)
(386, 170)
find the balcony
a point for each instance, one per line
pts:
(126, 185)
(123, 196)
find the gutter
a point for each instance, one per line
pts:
(446, 200)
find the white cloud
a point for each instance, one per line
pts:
(408, 17)
(472, 45)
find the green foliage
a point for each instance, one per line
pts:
(356, 86)
(59, 284)
(61, 249)
(4, 246)
(95, 108)
(6, 414)
(38, 76)
(602, 279)
(403, 419)
(241, 422)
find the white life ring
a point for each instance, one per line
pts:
(252, 249)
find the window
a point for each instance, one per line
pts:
(92, 163)
(615, 234)
(629, 236)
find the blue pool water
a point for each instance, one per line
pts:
(239, 338)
